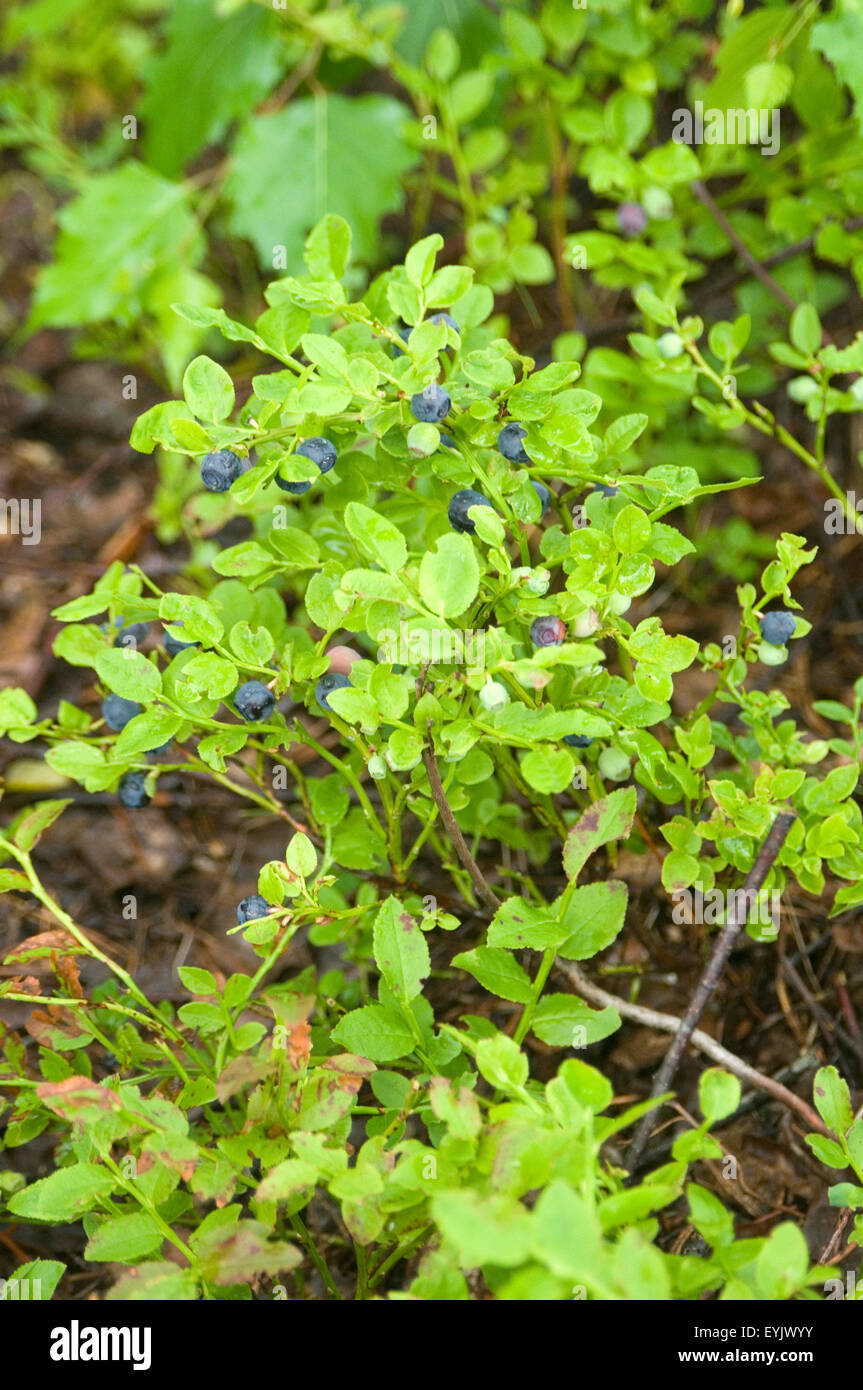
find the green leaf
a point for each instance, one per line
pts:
(827, 1150)
(123, 227)
(840, 38)
(401, 951)
(300, 856)
(492, 1229)
(783, 1263)
(419, 261)
(519, 924)
(566, 1234)
(593, 917)
(149, 730)
(154, 427)
(718, 1094)
(376, 1032)
(623, 432)
(497, 971)
(16, 708)
(378, 538)
(65, 1195)
(805, 330)
(211, 70)
(565, 1021)
(832, 1100)
(449, 576)
(277, 190)
(208, 389)
(631, 530)
(40, 1278)
(547, 769)
(207, 673)
(328, 248)
(35, 820)
(502, 1062)
(607, 819)
(128, 673)
(125, 1239)
(196, 619)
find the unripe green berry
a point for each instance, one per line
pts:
(618, 603)
(538, 581)
(377, 767)
(423, 440)
(802, 389)
(493, 695)
(772, 656)
(657, 203)
(613, 764)
(587, 623)
(669, 345)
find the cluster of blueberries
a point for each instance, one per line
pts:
(222, 467)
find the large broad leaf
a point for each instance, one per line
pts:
(340, 154)
(449, 576)
(211, 71)
(607, 819)
(121, 231)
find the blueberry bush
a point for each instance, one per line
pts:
(439, 659)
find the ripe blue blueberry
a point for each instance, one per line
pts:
(253, 701)
(631, 219)
(577, 740)
(117, 712)
(252, 908)
(607, 489)
(547, 632)
(441, 317)
(460, 504)
(543, 494)
(333, 680)
(509, 442)
(777, 627)
(322, 452)
(219, 469)
(431, 405)
(173, 646)
(132, 792)
(130, 636)
(445, 439)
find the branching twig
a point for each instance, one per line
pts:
(704, 196)
(449, 820)
(710, 976)
(667, 1023)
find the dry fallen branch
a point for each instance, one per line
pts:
(667, 1023)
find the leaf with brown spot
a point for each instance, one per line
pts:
(401, 951)
(78, 1098)
(55, 1027)
(234, 1254)
(298, 1045)
(238, 1074)
(610, 818)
